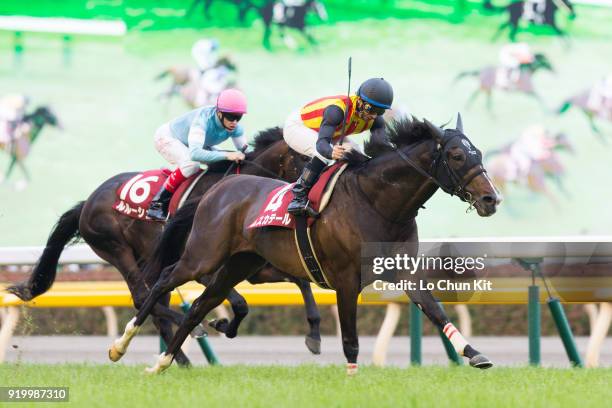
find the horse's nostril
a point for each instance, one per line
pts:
(488, 199)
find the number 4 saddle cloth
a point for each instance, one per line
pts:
(274, 212)
(135, 195)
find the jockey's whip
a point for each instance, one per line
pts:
(348, 95)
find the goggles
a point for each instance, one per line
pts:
(371, 109)
(232, 117)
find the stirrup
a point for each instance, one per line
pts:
(156, 212)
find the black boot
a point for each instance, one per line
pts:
(158, 209)
(310, 175)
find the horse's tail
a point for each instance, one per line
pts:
(464, 74)
(65, 231)
(488, 5)
(564, 107)
(171, 243)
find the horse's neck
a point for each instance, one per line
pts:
(393, 187)
(34, 130)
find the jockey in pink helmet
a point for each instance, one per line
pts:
(188, 141)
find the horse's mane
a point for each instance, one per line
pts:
(400, 132)
(266, 137)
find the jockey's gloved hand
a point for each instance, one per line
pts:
(235, 156)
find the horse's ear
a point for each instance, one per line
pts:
(459, 125)
(436, 132)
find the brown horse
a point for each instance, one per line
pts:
(27, 131)
(376, 201)
(488, 80)
(126, 243)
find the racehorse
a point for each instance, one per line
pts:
(535, 12)
(581, 100)
(530, 161)
(126, 243)
(25, 135)
(199, 88)
(375, 200)
(289, 15)
(243, 8)
(489, 76)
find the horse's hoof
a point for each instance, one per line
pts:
(481, 361)
(114, 354)
(219, 325)
(198, 332)
(313, 345)
(351, 369)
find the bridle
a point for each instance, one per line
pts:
(457, 185)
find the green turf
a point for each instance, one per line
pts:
(106, 101)
(314, 386)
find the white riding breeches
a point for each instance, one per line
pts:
(175, 152)
(303, 140)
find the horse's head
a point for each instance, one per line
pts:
(43, 115)
(541, 61)
(457, 168)
(272, 153)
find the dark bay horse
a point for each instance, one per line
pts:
(289, 16)
(376, 201)
(534, 12)
(127, 243)
(28, 131)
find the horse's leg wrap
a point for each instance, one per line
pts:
(120, 345)
(456, 338)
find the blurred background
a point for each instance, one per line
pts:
(103, 91)
(84, 88)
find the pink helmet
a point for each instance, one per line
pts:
(232, 101)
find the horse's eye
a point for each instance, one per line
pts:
(457, 157)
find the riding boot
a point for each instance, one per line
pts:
(158, 209)
(299, 204)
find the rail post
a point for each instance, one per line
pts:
(416, 330)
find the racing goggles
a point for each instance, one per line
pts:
(232, 117)
(371, 109)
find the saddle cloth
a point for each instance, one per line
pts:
(135, 195)
(274, 211)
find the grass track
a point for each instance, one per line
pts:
(237, 386)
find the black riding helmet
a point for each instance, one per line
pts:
(377, 92)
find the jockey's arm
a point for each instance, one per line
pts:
(240, 142)
(195, 141)
(332, 118)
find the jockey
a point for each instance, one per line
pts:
(512, 58)
(205, 53)
(600, 97)
(12, 110)
(316, 129)
(533, 10)
(188, 141)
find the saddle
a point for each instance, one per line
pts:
(135, 195)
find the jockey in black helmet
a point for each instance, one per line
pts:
(317, 127)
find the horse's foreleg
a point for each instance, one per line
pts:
(313, 339)
(347, 309)
(426, 302)
(472, 98)
(165, 331)
(167, 281)
(227, 277)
